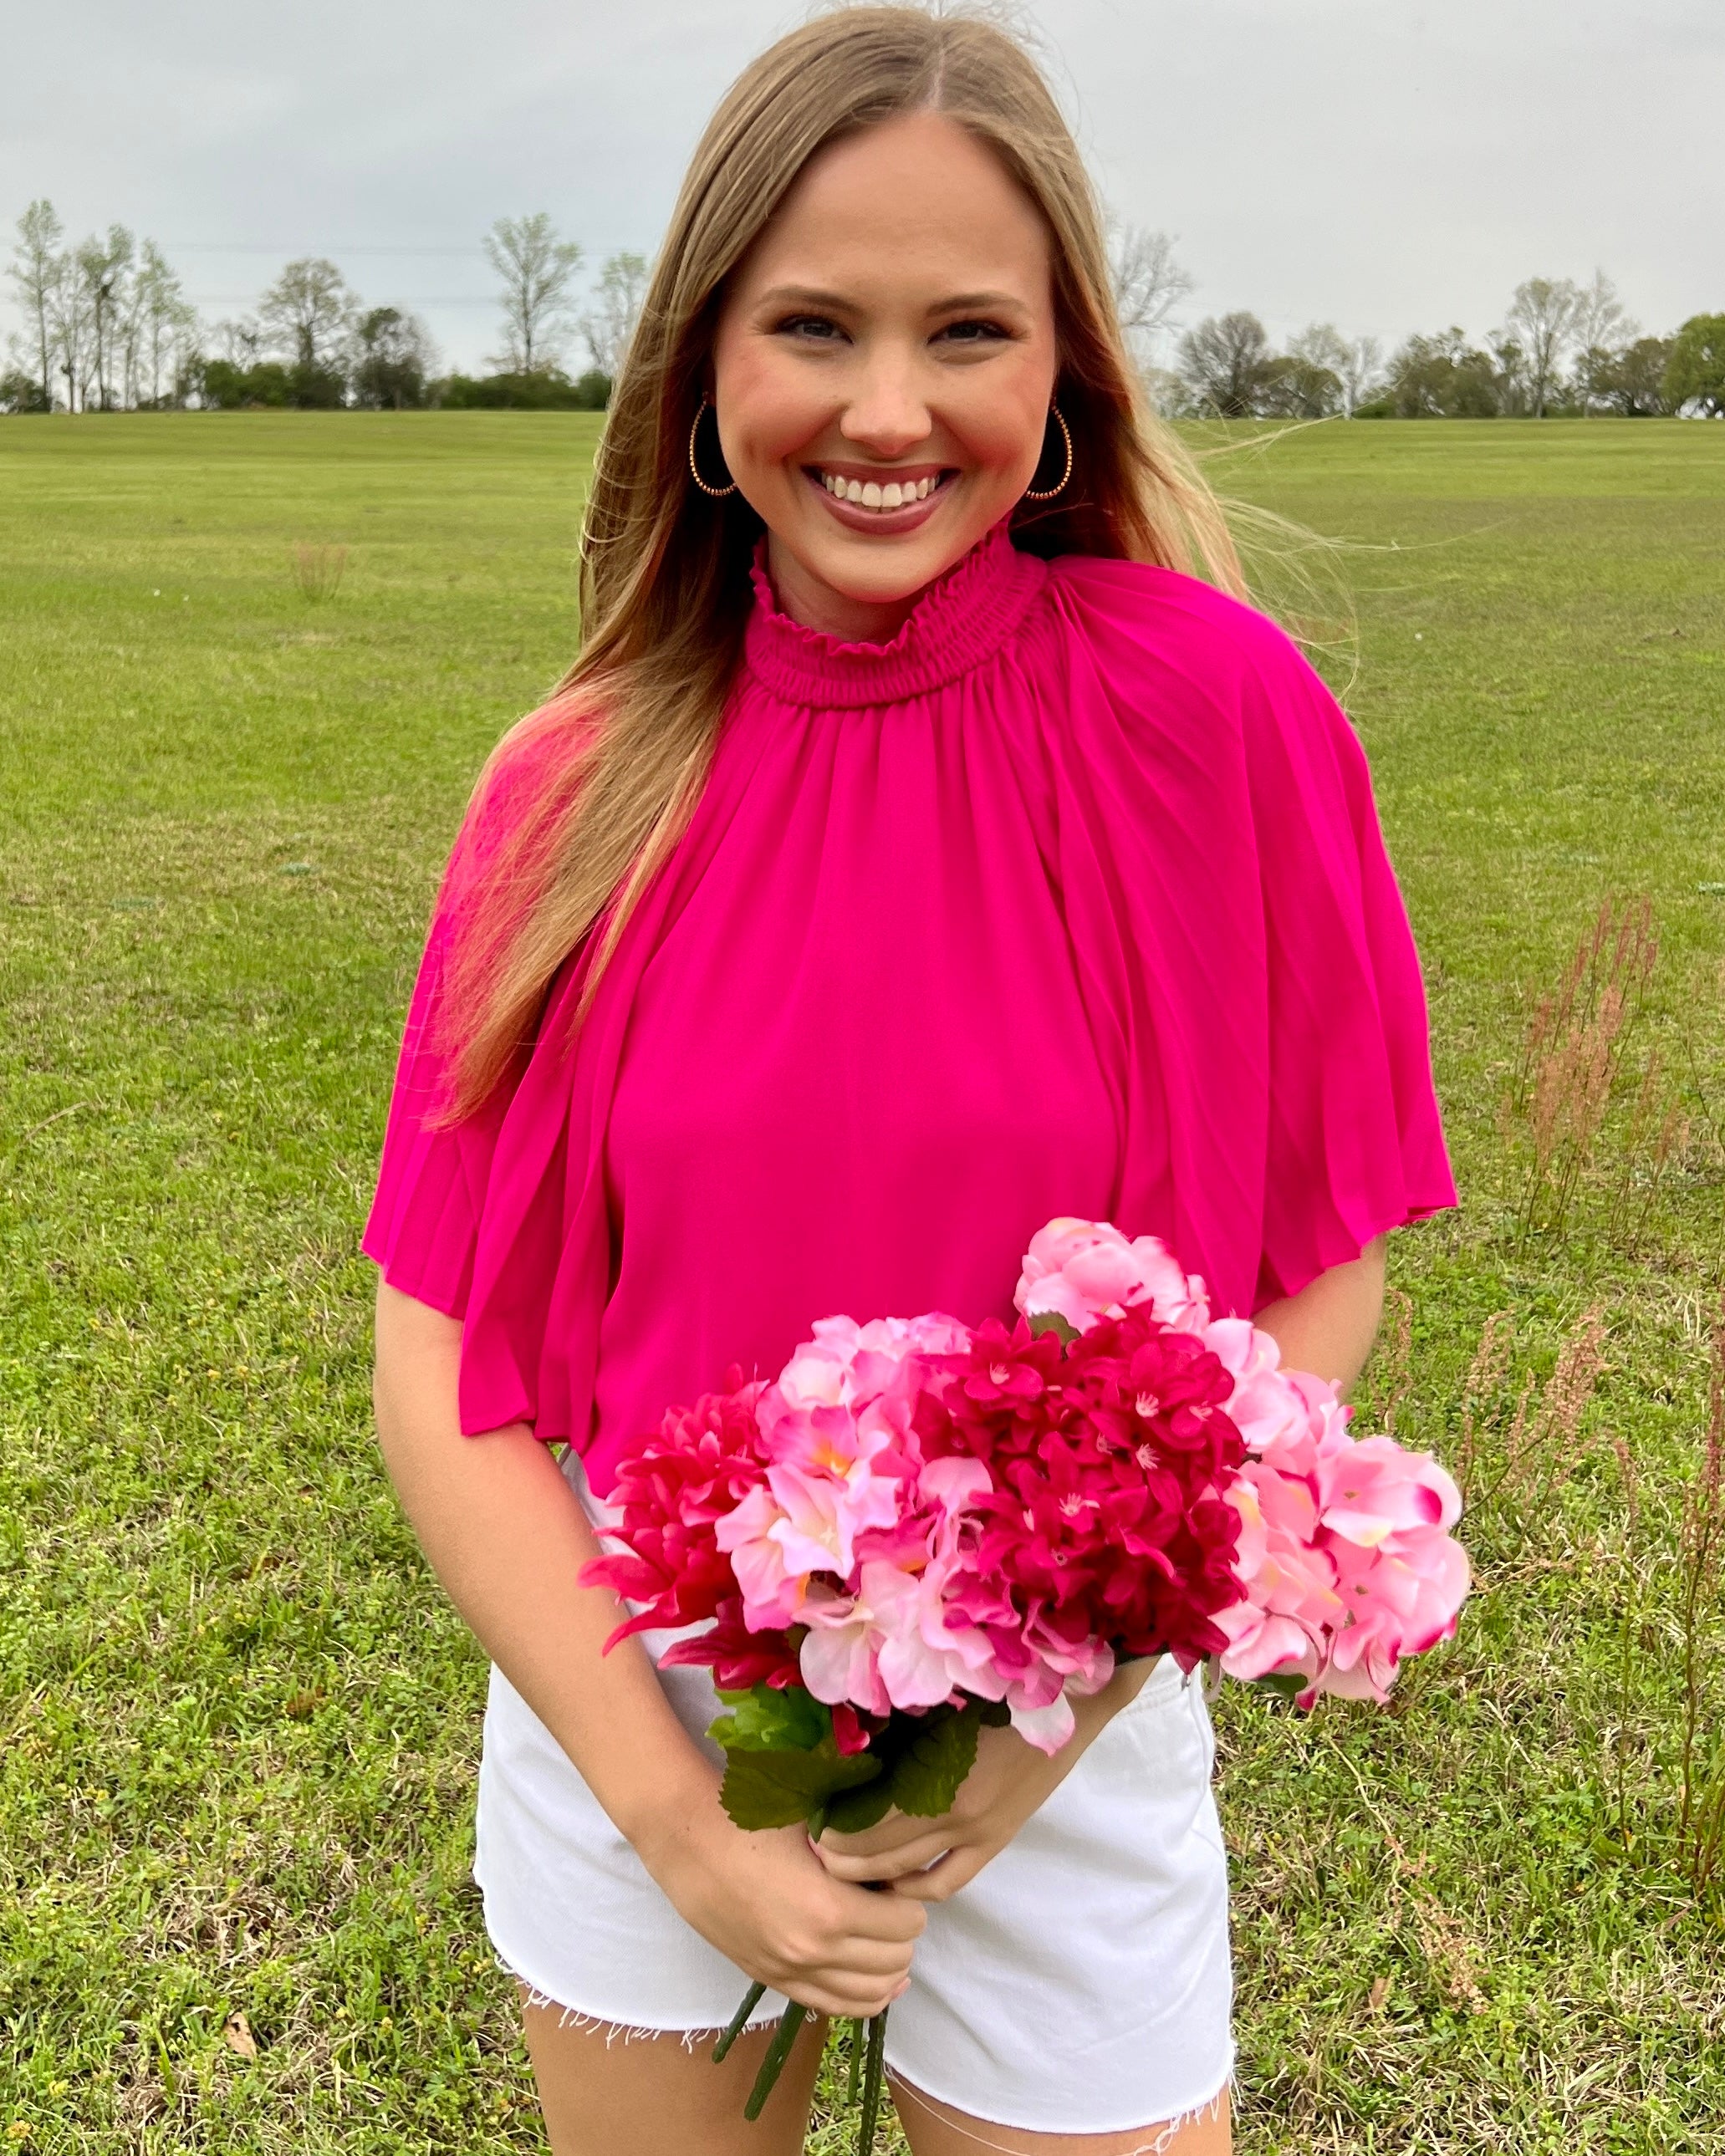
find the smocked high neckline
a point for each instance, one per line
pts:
(960, 620)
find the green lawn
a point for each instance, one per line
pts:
(238, 1726)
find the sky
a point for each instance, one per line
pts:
(1386, 165)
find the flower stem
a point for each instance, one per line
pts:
(874, 2077)
(751, 1999)
(778, 2051)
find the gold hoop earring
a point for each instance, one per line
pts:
(1048, 493)
(717, 493)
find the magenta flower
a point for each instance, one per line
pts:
(1080, 1271)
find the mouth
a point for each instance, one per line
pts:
(882, 500)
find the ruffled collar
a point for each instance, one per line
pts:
(961, 619)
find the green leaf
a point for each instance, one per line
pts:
(1280, 1687)
(779, 1789)
(854, 1811)
(927, 1776)
(767, 1719)
(1051, 1320)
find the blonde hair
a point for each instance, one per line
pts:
(626, 744)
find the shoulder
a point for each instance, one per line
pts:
(1161, 626)
(532, 774)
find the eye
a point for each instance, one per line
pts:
(817, 329)
(974, 331)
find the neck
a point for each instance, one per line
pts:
(816, 605)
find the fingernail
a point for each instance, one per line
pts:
(901, 1990)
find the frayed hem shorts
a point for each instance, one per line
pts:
(1081, 1984)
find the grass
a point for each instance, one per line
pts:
(251, 663)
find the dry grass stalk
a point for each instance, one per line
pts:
(1701, 1824)
(1485, 1381)
(1398, 1358)
(318, 571)
(1543, 1446)
(1573, 1051)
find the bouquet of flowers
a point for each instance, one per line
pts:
(919, 1529)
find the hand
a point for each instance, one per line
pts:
(930, 1859)
(767, 1902)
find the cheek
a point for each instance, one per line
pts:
(767, 409)
(1001, 424)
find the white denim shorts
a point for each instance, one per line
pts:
(1081, 1984)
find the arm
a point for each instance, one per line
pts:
(507, 1538)
(1328, 1329)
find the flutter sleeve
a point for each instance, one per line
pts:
(1354, 1141)
(424, 1226)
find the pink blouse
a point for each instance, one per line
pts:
(1071, 899)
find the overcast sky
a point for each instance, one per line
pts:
(1388, 165)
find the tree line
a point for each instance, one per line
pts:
(1564, 349)
(108, 327)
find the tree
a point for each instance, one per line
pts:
(69, 330)
(608, 326)
(393, 357)
(1226, 364)
(1602, 321)
(20, 391)
(36, 267)
(305, 315)
(1308, 383)
(1362, 372)
(537, 268)
(1148, 285)
(161, 328)
(1444, 377)
(1542, 322)
(1629, 380)
(104, 267)
(1695, 373)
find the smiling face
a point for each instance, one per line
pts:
(883, 367)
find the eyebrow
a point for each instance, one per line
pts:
(810, 295)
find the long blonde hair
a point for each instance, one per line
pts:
(665, 590)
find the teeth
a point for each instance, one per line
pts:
(870, 494)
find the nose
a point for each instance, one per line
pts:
(887, 414)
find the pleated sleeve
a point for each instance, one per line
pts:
(1354, 1143)
(424, 1226)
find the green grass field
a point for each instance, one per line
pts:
(237, 1725)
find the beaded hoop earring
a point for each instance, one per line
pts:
(717, 493)
(1048, 493)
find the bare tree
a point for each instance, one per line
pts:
(305, 313)
(104, 267)
(610, 324)
(1226, 364)
(162, 321)
(1540, 323)
(535, 267)
(36, 266)
(1148, 285)
(1362, 374)
(1601, 319)
(68, 331)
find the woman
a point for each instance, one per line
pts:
(916, 851)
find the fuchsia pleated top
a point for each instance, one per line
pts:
(1071, 899)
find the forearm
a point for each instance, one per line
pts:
(1330, 1327)
(507, 1538)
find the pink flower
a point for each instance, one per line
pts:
(1083, 1269)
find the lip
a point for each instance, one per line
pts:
(888, 523)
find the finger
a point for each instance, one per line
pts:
(847, 2002)
(870, 1916)
(893, 1830)
(940, 1882)
(893, 1864)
